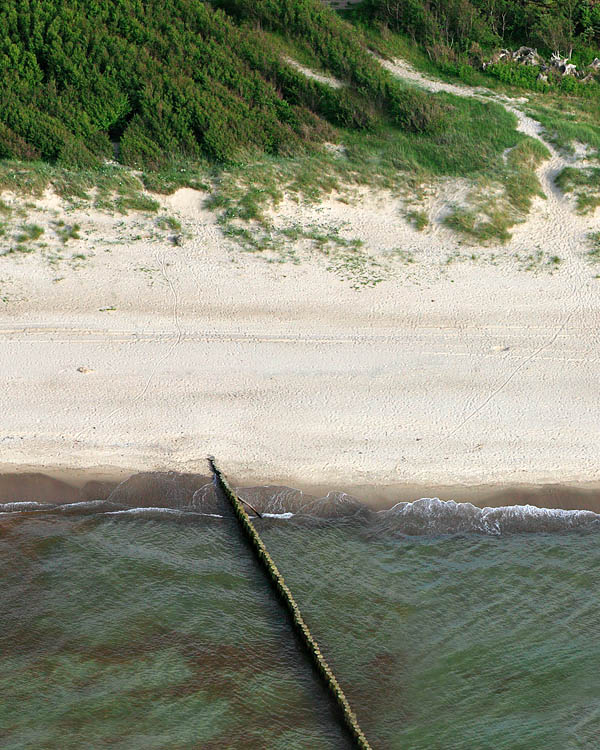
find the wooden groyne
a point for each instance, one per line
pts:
(266, 561)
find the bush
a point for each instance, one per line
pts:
(12, 146)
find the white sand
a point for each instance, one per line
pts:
(309, 73)
(462, 372)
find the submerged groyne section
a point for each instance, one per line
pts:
(278, 582)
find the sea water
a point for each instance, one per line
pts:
(130, 623)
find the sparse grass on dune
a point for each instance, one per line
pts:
(584, 183)
(110, 187)
(594, 253)
(169, 222)
(176, 173)
(567, 121)
(471, 145)
(492, 214)
(30, 232)
(67, 232)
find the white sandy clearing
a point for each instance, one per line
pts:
(448, 372)
(309, 73)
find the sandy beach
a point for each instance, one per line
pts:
(463, 366)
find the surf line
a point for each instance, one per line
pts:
(266, 561)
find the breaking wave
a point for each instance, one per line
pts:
(434, 516)
(170, 495)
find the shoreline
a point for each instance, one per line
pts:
(60, 484)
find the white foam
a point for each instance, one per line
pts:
(278, 515)
(28, 505)
(83, 504)
(130, 511)
(432, 515)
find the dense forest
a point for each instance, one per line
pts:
(83, 80)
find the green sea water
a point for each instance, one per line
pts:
(157, 630)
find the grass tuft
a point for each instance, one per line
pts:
(418, 219)
(168, 222)
(30, 232)
(67, 232)
(594, 253)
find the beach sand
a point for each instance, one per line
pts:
(450, 371)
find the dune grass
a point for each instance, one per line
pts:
(584, 183)
(594, 253)
(30, 232)
(504, 197)
(567, 121)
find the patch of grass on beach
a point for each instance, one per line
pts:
(485, 225)
(584, 183)
(67, 232)
(567, 121)
(496, 204)
(594, 253)
(136, 202)
(109, 188)
(168, 222)
(30, 232)
(345, 257)
(418, 219)
(178, 173)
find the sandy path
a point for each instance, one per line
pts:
(475, 374)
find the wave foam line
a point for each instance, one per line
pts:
(433, 515)
(26, 505)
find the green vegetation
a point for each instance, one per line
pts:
(169, 222)
(594, 253)
(109, 187)
(204, 82)
(453, 38)
(136, 202)
(30, 232)
(388, 159)
(202, 94)
(473, 25)
(491, 214)
(418, 218)
(584, 183)
(567, 122)
(67, 232)
(183, 78)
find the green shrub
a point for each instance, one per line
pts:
(12, 146)
(180, 78)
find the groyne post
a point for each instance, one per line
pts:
(277, 580)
